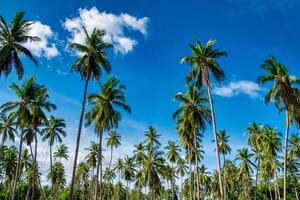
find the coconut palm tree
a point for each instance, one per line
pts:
(284, 96)
(182, 169)
(12, 39)
(89, 65)
(193, 108)
(245, 168)
(9, 166)
(173, 155)
(105, 114)
(128, 172)
(62, 151)
(27, 95)
(57, 176)
(53, 131)
(152, 138)
(113, 140)
(294, 146)
(204, 64)
(7, 127)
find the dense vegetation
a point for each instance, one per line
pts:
(153, 171)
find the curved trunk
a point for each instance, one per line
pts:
(18, 166)
(216, 139)
(71, 197)
(285, 154)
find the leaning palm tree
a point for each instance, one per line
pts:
(12, 39)
(113, 140)
(173, 154)
(7, 127)
(61, 152)
(284, 95)
(105, 114)
(93, 59)
(26, 95)
(53, 131)
(204, 64)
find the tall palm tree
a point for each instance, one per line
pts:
(152, 138)
(91, 160)
(204, 64)
(182, 169)
(193, 108)
(105, 114)
(113, 140)
(92, 61)
(26, 95)
(245, 168)
(62, 151)
(7, 127)
(173, 155)
(12, 39)
(53, 131)
(284, 95)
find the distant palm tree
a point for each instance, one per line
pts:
(152, 138)
(9, 165)
(92, 160)
(182, 169)
(113, 140)
(294, 147)
(105, 114)
(245, 168)
(204, 64)
(128, 172)
(173, 155)
(57, 176)
(90, 64)
(26, 95)
(53, 131)
(7, 127)
(62, 151)
(284, 95)
(12, 39)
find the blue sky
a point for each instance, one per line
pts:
(150, 39)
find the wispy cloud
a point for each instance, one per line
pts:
(114, 25)
(235, 88)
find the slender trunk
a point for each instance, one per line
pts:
(271, 196)
(285, 154)
(277, 186)
(181, 187)
(190, 171)
(35, 167)
(92, 184)
(71, 197)
(28, 192)
(111, 156)
(297, 198)
(224, 178)
(99, 168)
(172, 184)
(127, 192)
(18, 166)
(216, 139)
(256, 176)
(50, 147)
(196, 171)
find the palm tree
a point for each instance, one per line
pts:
(61, 152)
(128, 172)
(105, 114)
(57, 176)
(27, 95)
(91, 160)
(113, 140)
(245, 168)
(12, 39)
(172, 155)
(53, 131)
(89, 65)
(283, 93)
(7, 127)
(294, 147)
(204, 64)
(224, 147)
(182, 169)
(255, 142)
(194, 115)
(9, 166)
(152, 138)
(139, 156)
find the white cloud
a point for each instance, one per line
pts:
(234, 88)
(114, 25)
(43, 47)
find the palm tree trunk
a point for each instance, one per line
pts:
(111, 154)
(285, 153)
(196, 171)
(256, 176)
(127, 192)
(297, 198)
(224, 178)
(50, 147)
(181, 187)
(190, 171)
(18, 166)
(215, 137)
(271, 196)
(35, 166)
(172, 182)
(99, 168)
(78, 140)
